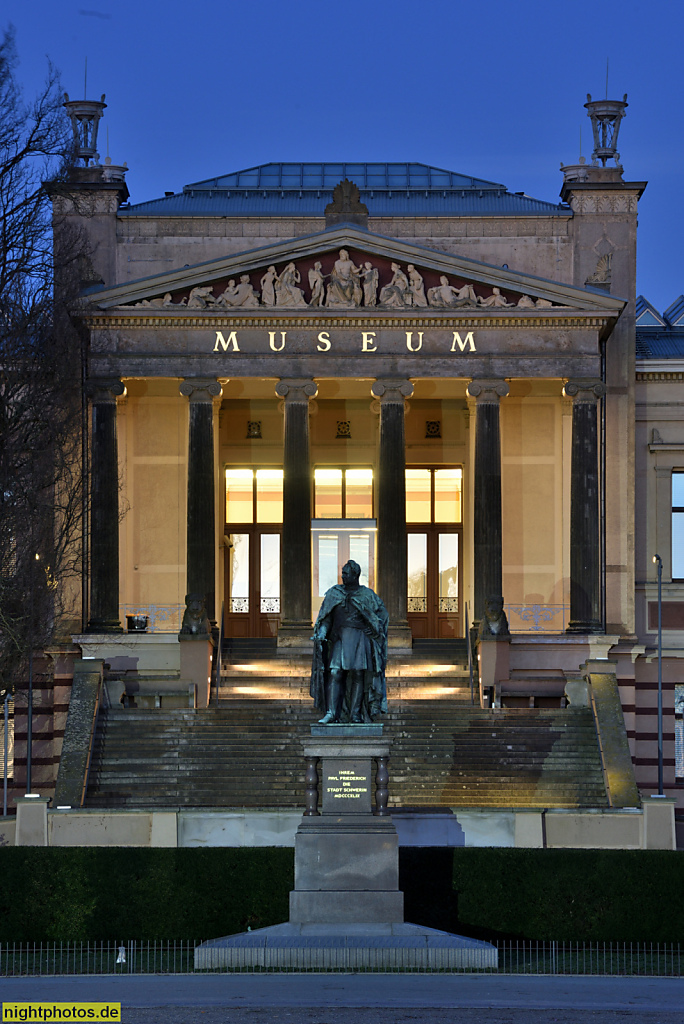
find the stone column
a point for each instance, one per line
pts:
(585, 546)
(487, 491)
(295, 575)
(390, 492)
(104, 509)
(201, 527)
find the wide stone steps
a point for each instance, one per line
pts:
(246, 753)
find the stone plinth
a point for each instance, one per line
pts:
(346, 909)
(494, 655)
(31, 821)
(346, 871)
(659, 823)
(398, 947)
(346, 858)
(195, 665)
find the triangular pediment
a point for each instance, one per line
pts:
(343, 269)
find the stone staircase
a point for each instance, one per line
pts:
(245, 752)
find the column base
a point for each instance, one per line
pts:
(400, 636)
(592, 627)
(104, 626)
(296, 635)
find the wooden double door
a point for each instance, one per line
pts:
(252, 575)
(434, 581)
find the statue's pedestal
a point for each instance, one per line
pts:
(346, 871)
(347, 857)
(346, 909)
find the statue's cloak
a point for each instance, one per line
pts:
(374, 614)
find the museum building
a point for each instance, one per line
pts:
(296, 364)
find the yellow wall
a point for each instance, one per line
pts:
(153, 429)
(535, 454)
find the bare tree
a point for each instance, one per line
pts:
(41, 355)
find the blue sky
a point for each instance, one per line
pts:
(492, 89)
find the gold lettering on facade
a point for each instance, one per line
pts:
(462, 343)
(226, 343)
(369, 343)
(272, 341)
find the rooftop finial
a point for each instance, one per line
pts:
(85, 118)
(605, 116)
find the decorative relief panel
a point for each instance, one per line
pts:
(604, 202)
(342, 281)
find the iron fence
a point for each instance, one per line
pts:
(179, 957)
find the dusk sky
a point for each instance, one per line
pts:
(491, 89)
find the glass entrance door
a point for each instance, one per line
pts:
(434, 583)
(334, 543)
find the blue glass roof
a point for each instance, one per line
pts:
(660, 342)
(327, 175)
(674, 314)
(646, 314)
(304, 189)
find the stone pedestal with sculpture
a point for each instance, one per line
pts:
(346, 854)
(346, 909)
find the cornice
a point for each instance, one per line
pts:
(628, 188)
(538, 319)
(659, 375)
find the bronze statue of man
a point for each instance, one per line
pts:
(350, 652)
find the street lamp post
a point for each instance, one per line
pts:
(6, 747)
(659, 562)
(29, 710)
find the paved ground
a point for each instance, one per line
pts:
(368, 999)
(324, 1015)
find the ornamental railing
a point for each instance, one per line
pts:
(537, 618)
(614, 959)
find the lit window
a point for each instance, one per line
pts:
(418, 503)
(239, 496)
(328, 489)
(359, 494)
(269, 495)
(343, 493)
(678, 525)
(448, 495)
(247, 489)
(434, 495)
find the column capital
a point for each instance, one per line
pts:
(584, 389)
(295, 389)
(104, 390)
(390, 390)
(200, 389)
(487, 389)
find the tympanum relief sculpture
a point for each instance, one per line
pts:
(345, 287)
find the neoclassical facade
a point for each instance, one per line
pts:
(296, 364)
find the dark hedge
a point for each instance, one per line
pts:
(572, 895)
(128, 893)
(120, 894)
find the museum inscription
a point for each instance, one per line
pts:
(367, 341)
